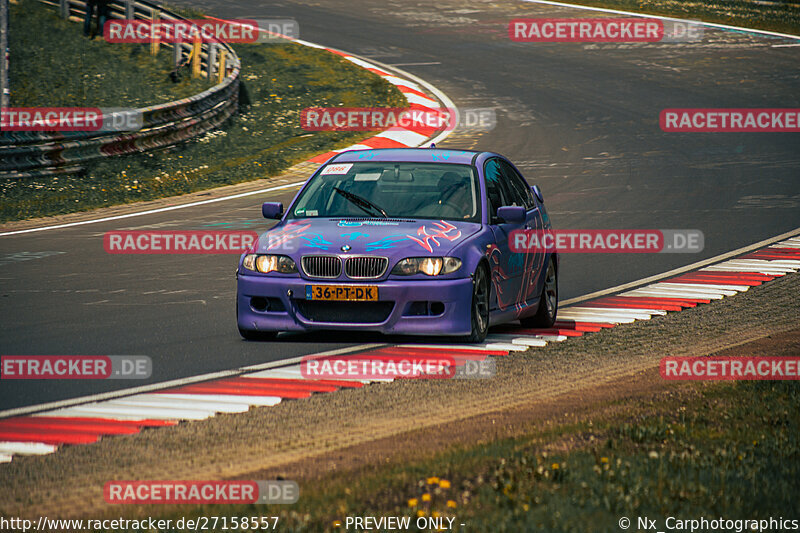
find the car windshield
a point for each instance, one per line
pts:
(391, 190)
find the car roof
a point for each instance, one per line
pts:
(414, 155)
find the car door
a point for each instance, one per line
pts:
(533, 260)
(507, 267)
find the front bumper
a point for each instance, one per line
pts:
(287, 309)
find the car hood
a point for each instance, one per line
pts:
(393, 238)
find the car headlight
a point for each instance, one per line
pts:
(269, 263)
(431, 266)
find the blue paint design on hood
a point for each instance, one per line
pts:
(385, 243)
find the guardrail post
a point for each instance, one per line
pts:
(155, 42)
(177, 53)
(129, 9)
(63, 6)
(197, 47)
(212, 61)
(223, 65)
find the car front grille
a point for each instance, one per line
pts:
(322, 266)
(365, 267)
(345, 312)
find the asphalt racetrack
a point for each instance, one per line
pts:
(580, 120)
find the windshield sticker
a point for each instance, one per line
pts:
(367, 176)
(342, 168)
(444, 230)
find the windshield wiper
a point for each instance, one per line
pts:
(361, 202)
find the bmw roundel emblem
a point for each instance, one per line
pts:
(346, 248)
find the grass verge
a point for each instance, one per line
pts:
(733, 451)
(278, 81)
(726, 450)
(781, 15)
(72, 70)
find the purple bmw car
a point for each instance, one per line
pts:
(400, 241)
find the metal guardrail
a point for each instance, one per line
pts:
(28, 154)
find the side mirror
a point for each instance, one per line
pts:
(272, 209)
(512, 214)
(537, 192)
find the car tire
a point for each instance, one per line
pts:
(480, 306)
(545, 315)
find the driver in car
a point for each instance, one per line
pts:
(455, 200)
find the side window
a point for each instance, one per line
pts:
(495, 190)
(518, 185)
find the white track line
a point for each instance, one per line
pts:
(780, 263)
(260, 401)
(622, 311)
(607, 311)
(685, 288)
(552, 338)
(727, 290)
(661, 17)
(154, 211)
(140, 413)
(417, 99)
(72, 412)
(746, 270)
(441, 347)
(164, 400)
(510, 347)
(672, 293)
(589, 317)
(754, 269)
(27, 448)
(516, 339)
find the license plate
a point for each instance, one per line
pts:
(342, 293)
